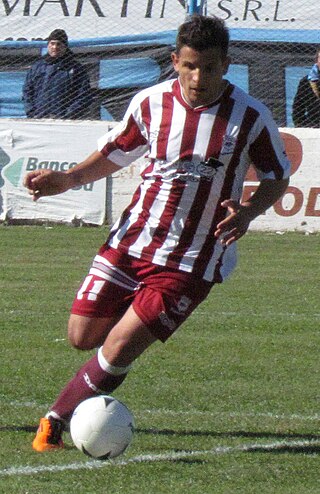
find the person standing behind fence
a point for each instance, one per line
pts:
(314, 76)
(306, 106)
(57, 86)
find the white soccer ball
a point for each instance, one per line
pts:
(102, 427)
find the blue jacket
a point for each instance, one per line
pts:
(57, 88)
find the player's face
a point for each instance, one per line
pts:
(56, 49)
(201, 74)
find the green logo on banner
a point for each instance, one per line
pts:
(12, 172)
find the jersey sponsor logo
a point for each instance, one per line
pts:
(189, 171)
(208, 169)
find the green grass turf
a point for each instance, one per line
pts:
(230, 404)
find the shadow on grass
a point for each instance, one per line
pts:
(228, 434)
(305, 449)
(245, 434)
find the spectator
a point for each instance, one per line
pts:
(57, 86)
(306, 106)
(314, 75)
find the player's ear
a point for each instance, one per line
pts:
(175, 61)
(226, 62)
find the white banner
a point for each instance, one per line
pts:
(267, 14)
(35, 19)
(27, 145)
(30, 145)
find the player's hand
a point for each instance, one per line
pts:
(46, 183)
(235, 225)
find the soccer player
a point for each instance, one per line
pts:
(177, 237)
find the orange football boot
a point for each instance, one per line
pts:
(48, 435)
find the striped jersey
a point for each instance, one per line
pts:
(197, 158)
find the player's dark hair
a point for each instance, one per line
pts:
(201, 33)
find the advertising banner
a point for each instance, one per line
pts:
(299, 208)
(83, 19)
(267, 14)
(27, 146)
(35, 19)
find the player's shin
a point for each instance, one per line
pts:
(95, 377)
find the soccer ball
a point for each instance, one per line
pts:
(102, 427)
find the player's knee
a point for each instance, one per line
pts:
(79, 334)
(79, 342)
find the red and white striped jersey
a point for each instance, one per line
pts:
(197, 157)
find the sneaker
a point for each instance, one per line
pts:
(48, 435)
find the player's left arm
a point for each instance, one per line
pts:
(236, 224)
(47, 182)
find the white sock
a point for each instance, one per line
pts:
(111, 369)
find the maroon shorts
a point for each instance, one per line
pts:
(163, 298)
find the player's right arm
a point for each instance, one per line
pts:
(48, 182)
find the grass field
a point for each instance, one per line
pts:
(229, 405)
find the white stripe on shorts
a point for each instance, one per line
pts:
(104, 269)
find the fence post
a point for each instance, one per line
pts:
(196, 7)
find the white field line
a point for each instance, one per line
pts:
(170, 456)
(294, 315)
(263, 315)
(277, 416)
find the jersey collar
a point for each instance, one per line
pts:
(177, 92)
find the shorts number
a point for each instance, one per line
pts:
(93, 291)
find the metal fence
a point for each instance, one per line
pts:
(125, 45)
